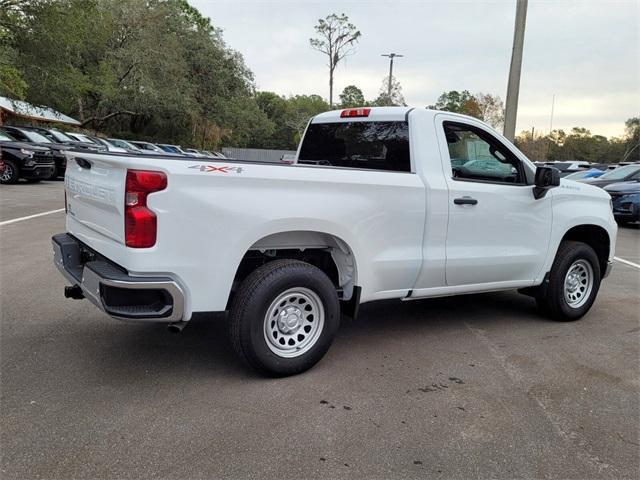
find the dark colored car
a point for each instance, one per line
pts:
(57, 143)
(620, 174)
(625, 198)
(24, 160)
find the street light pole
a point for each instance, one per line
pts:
(513, 87)
(391, 57)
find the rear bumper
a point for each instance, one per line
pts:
(112, 289)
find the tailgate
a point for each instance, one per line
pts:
(94, 186)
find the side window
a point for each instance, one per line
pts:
(362, 145)
(477, 156)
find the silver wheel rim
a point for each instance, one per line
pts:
(578, 283)
(294, 322)
(5, 176)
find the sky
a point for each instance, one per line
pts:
(586, 53)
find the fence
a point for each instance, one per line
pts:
(256, 154)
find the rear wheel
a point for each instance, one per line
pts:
(10, 174)
(284, 317)
(574, 281)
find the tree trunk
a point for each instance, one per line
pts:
(330, 88)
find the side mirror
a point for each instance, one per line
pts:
(546, 178)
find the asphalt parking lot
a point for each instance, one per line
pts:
(464, 387)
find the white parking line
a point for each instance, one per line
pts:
(29, 217)
(626, 262)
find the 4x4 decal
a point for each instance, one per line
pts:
(213, 168)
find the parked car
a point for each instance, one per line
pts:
(568, 167)
(97, 140)
(128, 147)
(23, 160)
(620, 174)
(34, 138)
(193, 152)
(109, 145)
(371, 211)
(148, 147)
(60, 137)
(582, 174)
(175, 149)
(625, 199)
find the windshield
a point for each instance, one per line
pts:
(370, 145)
(61, 137)
(83, 138)
(620, 173)
(123, 144)
(35, 136)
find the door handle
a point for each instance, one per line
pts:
(465, 201)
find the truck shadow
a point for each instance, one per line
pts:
(136, 352)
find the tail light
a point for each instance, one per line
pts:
(140, 223)
(355, 112)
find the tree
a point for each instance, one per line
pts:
(155, 70)
(11, 82)
(301, 109)
(396, 98)
(458, 102)
(352, 96)
(336, 39)
(632, 140)
(491, 109)
(289, 117)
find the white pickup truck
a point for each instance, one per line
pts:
(381, 203)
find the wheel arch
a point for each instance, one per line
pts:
(596, 237)
(329, 252)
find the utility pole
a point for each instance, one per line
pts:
(513, 87)
(553, 102)
(391, 57)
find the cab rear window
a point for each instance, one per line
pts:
(362, 145)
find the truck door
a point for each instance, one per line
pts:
(497, 233)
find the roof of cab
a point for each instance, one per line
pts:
(382, 114)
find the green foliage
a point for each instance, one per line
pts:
(484, 106)
(289, 117)
(351, 96)
(156, 70)
(458, 102)
(11, 82)
(581, 144)
(389, 100)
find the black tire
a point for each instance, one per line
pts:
(551, 300)
(254, 300)
(54, 174)
(10, 174)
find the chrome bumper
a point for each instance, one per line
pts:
(96, 277)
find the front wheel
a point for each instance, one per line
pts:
(574, 281)
(54, 173)
(10, 174)
(284, 317)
